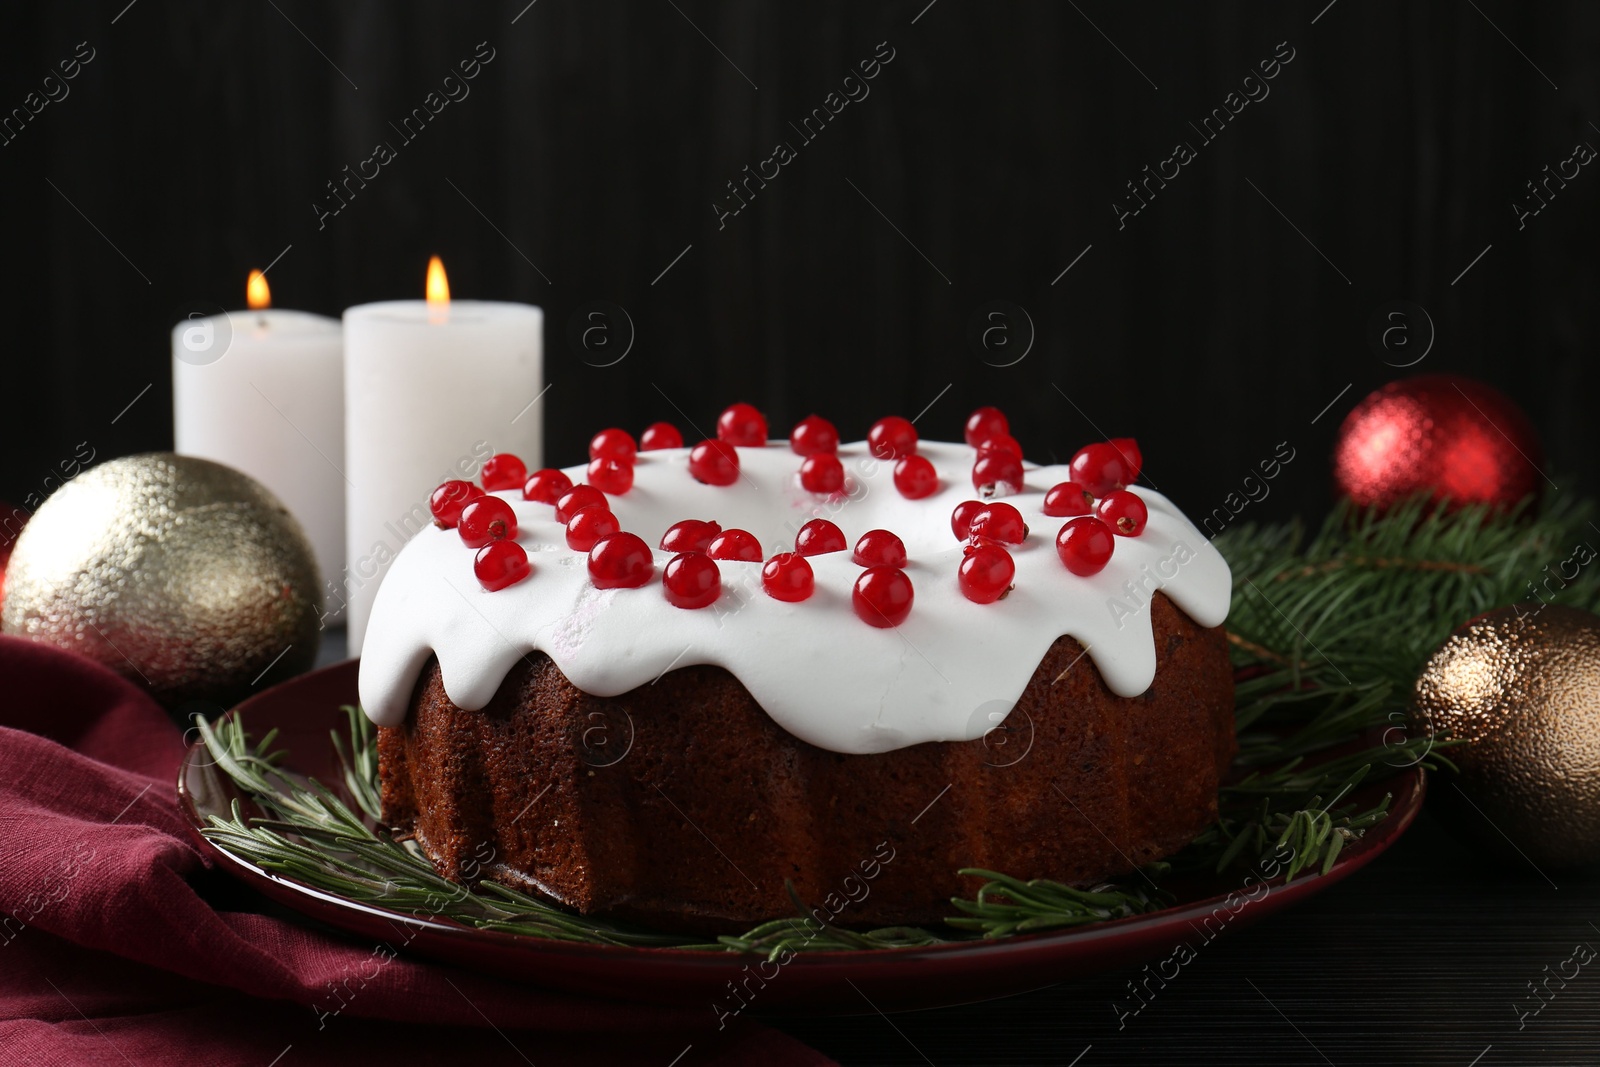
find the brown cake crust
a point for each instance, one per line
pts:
(683, 805)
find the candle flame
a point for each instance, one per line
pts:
(438, 285)
(256, 293)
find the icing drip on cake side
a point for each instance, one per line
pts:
(818, 670)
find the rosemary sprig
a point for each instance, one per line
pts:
(1006, 905)
(1329, 629)
(311, 835)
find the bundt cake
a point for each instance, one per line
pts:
(1024, 671)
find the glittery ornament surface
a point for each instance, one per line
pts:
(1441, 434)
(1522, 687)
(183, 575)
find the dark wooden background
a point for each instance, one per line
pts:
(194, 145)
(595, 143)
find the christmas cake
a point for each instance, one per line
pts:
(686, 686)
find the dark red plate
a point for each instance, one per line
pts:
(305, 709)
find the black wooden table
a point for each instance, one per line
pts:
(1425, 957)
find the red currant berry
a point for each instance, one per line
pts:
(997, 474)
(613, 444)
(1099, 468)
(985, 574)
(1068, 498)
(822, 473)
(579, 496)
(961, 518)
(1002, 443)
(504, 471)
(546, 486)
(787, 576)
(915, 477)
(984, 423)
(691, 580)
(620, 561)
(448, 500)
(892, 437)
(813, 435)
(590, 524)
(501, 563)
(819, 536)
(689, 535)
(659, 435)
(879, 548)
(1084, 545)
(999, 522)
(714, 462)
(1124, 512)
(611, 476)
(742, 424)
(1132, 458)
(736, 544)
(487, 519)
(882, 596)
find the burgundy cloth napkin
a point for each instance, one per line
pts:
(112, 950)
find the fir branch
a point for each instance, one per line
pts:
(1370, 563)
(1317, 603)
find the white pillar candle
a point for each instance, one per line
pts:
(263, 392)
(432, 388)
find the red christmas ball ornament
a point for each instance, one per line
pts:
(1441, 435)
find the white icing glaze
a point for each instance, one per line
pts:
(946, 674)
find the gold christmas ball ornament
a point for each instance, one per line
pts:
(183, 575)
(1520, 687)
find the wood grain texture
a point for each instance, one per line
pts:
(593, 146)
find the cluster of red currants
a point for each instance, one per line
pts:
(612, 453)
(891, 438)
(816, 441)
(486, 522)
(882, 595)
(1095, 502)
(1097, 505)
(997, 468)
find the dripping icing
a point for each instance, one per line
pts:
(816, 669)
